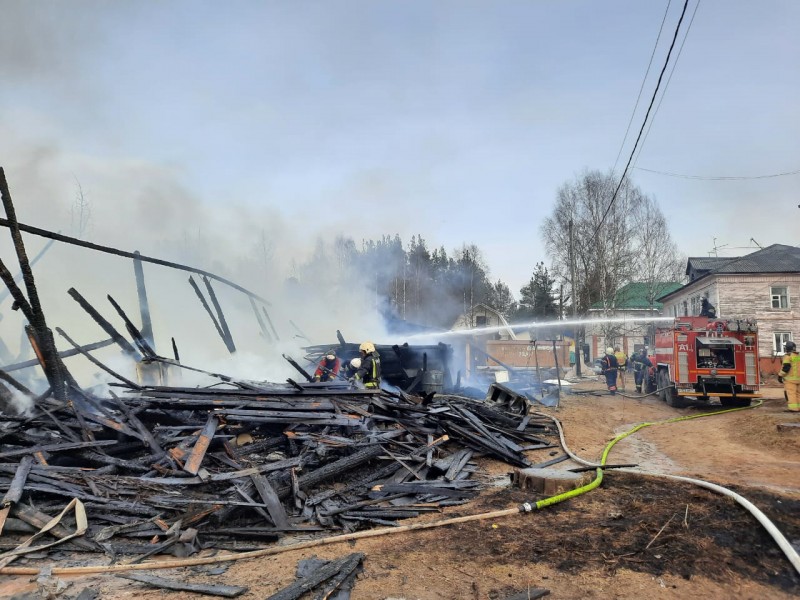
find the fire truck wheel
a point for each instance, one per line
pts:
(661, 383)
(673, 399)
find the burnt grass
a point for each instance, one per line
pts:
(617, 526)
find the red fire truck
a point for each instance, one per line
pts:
(700, 357)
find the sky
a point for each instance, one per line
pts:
(225, 133)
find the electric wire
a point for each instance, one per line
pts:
(646, 116)
(666, 85)
(641, 87)
(719, 178)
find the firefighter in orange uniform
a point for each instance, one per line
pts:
(790, 376)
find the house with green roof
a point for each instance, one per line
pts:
(626, 328)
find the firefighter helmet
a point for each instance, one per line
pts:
(331, 355)
(367, 347)
(356, 363)
(609, 350)
(789, 346)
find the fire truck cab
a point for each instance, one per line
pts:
(700, 357)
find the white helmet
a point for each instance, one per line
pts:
(356, 363)
(609, 350)
(367, 347)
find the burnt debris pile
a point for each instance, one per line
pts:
(139, 468)
(165, 469)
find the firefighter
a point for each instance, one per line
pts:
(622, 364)
(328, 367)
(351, 368)
(369, 374)
(640, 364)
(790, 376)
(608, 365)
(707, 309)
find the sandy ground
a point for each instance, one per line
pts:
(630, 538)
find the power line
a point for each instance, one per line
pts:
(719, 177)
(641, 130)
(641, 87)
(666, 86)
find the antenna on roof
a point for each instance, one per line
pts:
(756, 243)
(714, 250)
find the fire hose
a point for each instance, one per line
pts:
(776, 534)
(781, 540)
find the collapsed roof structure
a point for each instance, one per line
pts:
(143, 467)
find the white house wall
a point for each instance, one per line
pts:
(747, 296)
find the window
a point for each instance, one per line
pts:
(779, 338)
(780, 296)
(480, 321)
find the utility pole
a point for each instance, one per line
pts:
(574, 301)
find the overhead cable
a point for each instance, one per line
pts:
(641, 87)
(720, 177)
(666, 86)
(649, 108)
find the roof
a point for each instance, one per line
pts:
(777, 258)
(698, 266)
(635, 295)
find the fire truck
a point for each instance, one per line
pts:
(700, 357)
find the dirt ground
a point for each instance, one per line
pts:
(635, 536)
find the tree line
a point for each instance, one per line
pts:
(614, 244)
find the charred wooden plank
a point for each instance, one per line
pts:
(350, 507)
(334, 468)
(460, 460)
(144, 306)
(107, 249)
(488, 444)
(202, 299)
(225, 591)
(300, 369)
(201, 446)
(227, 337)
(15, 489)
(261, 445)
(134, 332)
(84, 350)
(63, 354)
(276, 511)
(56, 447)
(264, 332)
(104, 324)
(329, 570)
(553, 461)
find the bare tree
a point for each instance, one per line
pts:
(603, 247)
(631, 244)
(659, 263)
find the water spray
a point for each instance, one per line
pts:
(537, 324)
